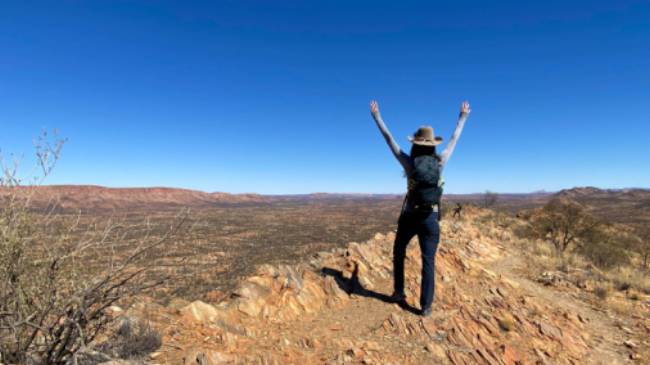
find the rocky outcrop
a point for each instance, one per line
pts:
(332, 309)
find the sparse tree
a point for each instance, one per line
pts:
(562, 223)
(490, 199)
(53, 301)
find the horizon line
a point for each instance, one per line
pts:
(543, 191)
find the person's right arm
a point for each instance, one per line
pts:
(400, 155)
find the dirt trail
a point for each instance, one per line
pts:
(606, 346)
(333, 310)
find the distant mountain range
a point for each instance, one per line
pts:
(99, 197)
(616, 205)
(90, 197)
(93, 197)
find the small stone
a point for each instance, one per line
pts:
(371, 346)
(355, 351)
(581, 318)
(506, 323)
(115, 310)
(250, 308)
(436, 350)
(549, 330)
(502, 292)
(631, 344)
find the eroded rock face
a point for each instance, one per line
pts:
(332, 309)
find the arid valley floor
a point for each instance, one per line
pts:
(305, 279)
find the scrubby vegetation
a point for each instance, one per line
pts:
(53, 296)
(562, 223)
(566, 237)
(131, 340)
(601, 292)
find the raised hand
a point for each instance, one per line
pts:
(464, 107)
(374, 107)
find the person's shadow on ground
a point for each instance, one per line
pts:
(353, 286)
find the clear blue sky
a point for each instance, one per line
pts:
(272, 97)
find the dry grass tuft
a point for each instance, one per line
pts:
(132, 340)
(601, 292)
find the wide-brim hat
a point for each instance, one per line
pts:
(425, 136)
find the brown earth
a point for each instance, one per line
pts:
(332, 309)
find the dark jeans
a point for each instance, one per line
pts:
(425, 225)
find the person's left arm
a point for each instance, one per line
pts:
(464, 113)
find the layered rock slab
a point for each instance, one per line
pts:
(332, 309)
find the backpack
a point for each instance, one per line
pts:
(424, 185)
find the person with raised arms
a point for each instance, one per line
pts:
(421, 209)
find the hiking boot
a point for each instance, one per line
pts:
(426, 312)
(397, 298)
